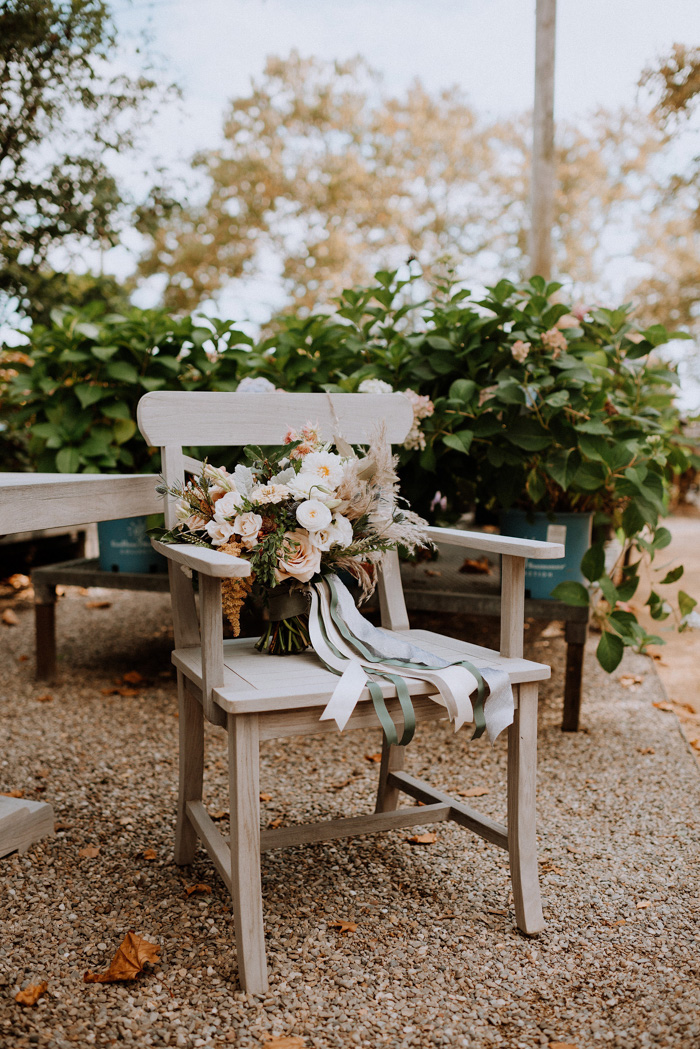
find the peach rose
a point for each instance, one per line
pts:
(247, 526)
(298, 559)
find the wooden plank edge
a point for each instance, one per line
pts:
(211, 838)
(351, 826)
(464, 815)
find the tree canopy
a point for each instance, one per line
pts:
(63, 111)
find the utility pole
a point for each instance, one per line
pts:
(542, 173)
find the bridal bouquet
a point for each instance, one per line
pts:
(298, 513)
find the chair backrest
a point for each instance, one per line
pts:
(173, 420)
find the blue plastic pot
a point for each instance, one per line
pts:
(125, 547)
(573, 530)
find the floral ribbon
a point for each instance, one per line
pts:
(359, 653)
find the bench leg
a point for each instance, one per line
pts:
(191, 731)
(45, 632)
(246, 882)
(392, 761)
(522, 840)
(576, 634)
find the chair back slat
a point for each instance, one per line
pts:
(194, 418)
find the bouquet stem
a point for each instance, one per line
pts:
(285, 637)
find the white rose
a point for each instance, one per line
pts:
(326, 466)
(308, 486)
(219, 532)
(247, 526)
(228, 505)
(322, 540)
(340, 531)
(313, 515)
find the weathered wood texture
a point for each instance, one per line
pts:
(32, 501)
(22, 823)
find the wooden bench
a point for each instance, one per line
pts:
(83, 572)
(440, 586)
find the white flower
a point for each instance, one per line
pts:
(218, 474)
(228, 505)
(340, 531)
(313, 515)
(256, 384)
(247, 526)
(326, 467)
(219, 532)
(322, 540)
(374, 386)
(307, 486)
(182, 510)
(269, 493)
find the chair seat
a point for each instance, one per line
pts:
(256, 682)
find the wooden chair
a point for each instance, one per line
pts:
(258, 697)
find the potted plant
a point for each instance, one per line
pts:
(70, 398)
(536, 405)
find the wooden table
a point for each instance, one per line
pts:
(440, 586)
(29, 502)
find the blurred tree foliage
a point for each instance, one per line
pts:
(671, 293)
(63, 111)
(321, 170)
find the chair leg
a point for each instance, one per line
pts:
(522, 841)
(392, 761)
(191, 727)
(246, 886)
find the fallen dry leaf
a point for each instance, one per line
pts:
(22, 659)
(120, 690)
(473, 792)
(89, 852)
(629, 680)
(44, 699)
(643, 905)
(423, 839)
(646, 750)
(274, 824)
(658, 659)
(12, 793)
(9, 617)
(663, 705)
(343, 926)
(199, 888)
(31, 995)
(573, 849)
(291, 1041)
(620, 921)
(18, 581)
(433, 571)
(695, 743)
(98, 604)
(547, 867)
(562, 1045)
(266, 797)
(150, 854)
(222, 814)
(132, 955)
(132, 677)
(476, 566)
(373, 757)
(61, 826)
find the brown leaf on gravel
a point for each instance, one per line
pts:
(89, 852)
(473, 792)
(61, 826)
(343, 926)
(98, 604)
(149, 854)
(423, 839)
(663, 705)
(120, 690)
(274, 824)
(132, 955)
(31, 995)
(132, 677)
(266, 797)
(12, 793)
(562, 1045)
(547, 867)
(643, 904)
(9, 617)
(222, 814)
(44, 699)
(199, 888)
(646, 750)
(630, 680)
(373, 757)
(22, 659)
(291, 1041)
(476, 566)
(695, 743)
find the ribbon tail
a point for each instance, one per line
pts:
(345, 695)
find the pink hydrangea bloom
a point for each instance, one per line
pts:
(520, 350)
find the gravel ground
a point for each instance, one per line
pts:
(435, 958)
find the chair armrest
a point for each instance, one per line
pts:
(214, 563)
(496, 544)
